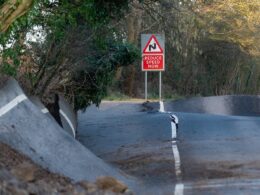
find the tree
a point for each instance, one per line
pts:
(211, 46)
(10, 10)
(236, 21)
(234, 24)
(78, 55)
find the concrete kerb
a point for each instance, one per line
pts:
(25, 128)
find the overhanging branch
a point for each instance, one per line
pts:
(12, 10)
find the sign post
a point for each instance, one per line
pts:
(145, 85)
(153, 57)
(160, 85)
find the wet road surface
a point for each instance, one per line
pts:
(219, 154)
(132, 139)
(219, 148)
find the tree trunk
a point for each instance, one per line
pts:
(11, 10)
(134, 22)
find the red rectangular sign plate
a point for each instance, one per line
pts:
(153, 62)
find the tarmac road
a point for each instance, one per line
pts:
(219, 149)
(134, 140)
(218, 154)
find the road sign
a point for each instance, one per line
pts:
(153, 57)
(152, 52)
(152, 46)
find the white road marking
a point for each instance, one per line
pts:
(69, 122)
(177, 160)
(45, 110)
(9, 106)
(174, 130)
(175, 150)
(222, 185)
(161, 107)
(179, 188)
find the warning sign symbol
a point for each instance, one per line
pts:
(153, 46)
(152, 52)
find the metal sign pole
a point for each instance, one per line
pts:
(160, 85)
(145, 85)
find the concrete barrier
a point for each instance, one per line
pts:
(68, 116)
(40, 105)
(24, 127)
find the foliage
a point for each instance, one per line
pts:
(234, 21)
(100, 71)
(10, 10)
(56, 65)
(212, 47)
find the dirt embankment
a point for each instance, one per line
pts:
(19, 175)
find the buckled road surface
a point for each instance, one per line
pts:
(213, 151)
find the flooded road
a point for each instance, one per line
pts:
(217, 154)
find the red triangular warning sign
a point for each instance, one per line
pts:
(152, 46)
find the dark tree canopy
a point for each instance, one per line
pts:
(78, 54)
(82, 48)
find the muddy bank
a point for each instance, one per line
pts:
(19, 175)
(24, 127)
